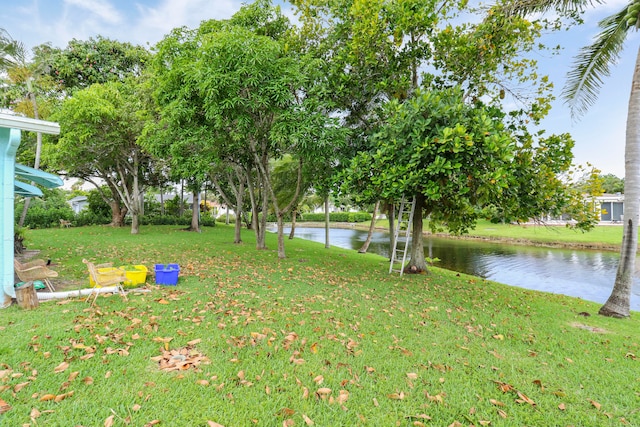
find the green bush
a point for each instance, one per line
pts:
(173, 220)
(41, 217)
(336, 217)
(87, 217)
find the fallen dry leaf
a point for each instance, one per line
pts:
(323, 392)
(109, 421)
(525, 399)
(396, 396)
(308, 421)
(562, 407)
(61, 397)
(595, 404)
(496, 402)
(61, 367)
(20, 386)
(35, 413)
(4, 406)
(343, 396)
(504, 387)
(213, 424)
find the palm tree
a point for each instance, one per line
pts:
(583, 82)
(7, 49)
(13, 59)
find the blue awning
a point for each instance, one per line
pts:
(26, 190)
(26, 173)
(45, 179)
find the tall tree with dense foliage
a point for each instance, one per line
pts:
(238, 87)
(592, 65)
(96, 60)
(255, 91)
(100, 128)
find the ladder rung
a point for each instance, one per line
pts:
(401, 242)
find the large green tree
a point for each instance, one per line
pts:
(96, 60)
(591, 66)
(100, 128)
(458, 158)
(254, 90)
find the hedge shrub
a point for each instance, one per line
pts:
(336, 217)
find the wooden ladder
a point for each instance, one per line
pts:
(404, 219)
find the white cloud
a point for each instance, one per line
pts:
(102, 9)
(154, 22)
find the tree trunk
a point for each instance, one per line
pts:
(326, 222)
(135, 223)
(281, 252)
(248, 222)
(365, 246)
(391, 214)
(418, 263)
(237, 238)
(135, 200)
(181, 207)
(117, 214)
(261, 230)
(36, 164)
(195, 212)
(294, 214)
(255, 213)
(619, 302)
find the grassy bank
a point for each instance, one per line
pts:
(325, 337)
(606, 237)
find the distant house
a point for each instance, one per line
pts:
(78, 203)
(611, 207)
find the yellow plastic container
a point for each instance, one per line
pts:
(137, 276)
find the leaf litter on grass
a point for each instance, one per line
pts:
(383, 348)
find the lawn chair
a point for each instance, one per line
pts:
(34, 270)
(106, 275)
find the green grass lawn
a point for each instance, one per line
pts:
(325, 337)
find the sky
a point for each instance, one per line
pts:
(599, 134)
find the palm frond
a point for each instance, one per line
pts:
(527, 7)
(593, 63)
(9, 48)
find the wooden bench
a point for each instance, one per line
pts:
(64, 223)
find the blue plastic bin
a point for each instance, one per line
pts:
(167, 274)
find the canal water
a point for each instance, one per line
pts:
(586, 274)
